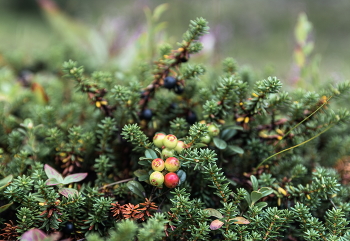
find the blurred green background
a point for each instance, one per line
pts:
(256, 33)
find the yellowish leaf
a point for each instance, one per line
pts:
(241, 220)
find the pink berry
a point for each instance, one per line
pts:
(158, 139)
(158, 164)
(172, 164)
(156, 179)
(171, 180)
(170, 141)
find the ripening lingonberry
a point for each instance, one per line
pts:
(180, 146)
(158, 139)
(170, 141)
(172, 164)
(156, 179)
(158, 164)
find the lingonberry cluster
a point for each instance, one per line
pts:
(165, 171)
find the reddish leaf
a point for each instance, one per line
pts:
(74, 178)
(52, 173)
(33, 235)
(52, 182)
(68, 192)
(216, 224)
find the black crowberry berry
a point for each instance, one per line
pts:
(68, 228)
(169, 82)
(178, 89)
(146, 114)
(191, 118)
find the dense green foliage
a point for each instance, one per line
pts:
(255, 166)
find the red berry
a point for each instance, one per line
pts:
(156, 179)
(158, 164)
(158, 139)
(171, 180)
(170, 141)
(172, 164)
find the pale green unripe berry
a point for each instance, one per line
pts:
(206, 139)
(168, 152)
(158, 139)
(213, 130)
(170, 141)
(180, 146)
(156, 179)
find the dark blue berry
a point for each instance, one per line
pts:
(178, 89)
(68, 228)
(169, 82)
(146, 114)
(191, 118)
(183, 59)
(173, 106)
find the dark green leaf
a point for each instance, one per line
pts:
(5, 181)
(182, 175)
(228, 134)
(136, 188)
(266, 191)
(4, 207)
(255, 196)
(234, 127)
(144, 162)
(247, 198)
(219, 143)
(236, 149)
(255, 183)
(140, 172)
(261, 204)
(143, 177)
(199, 145)
(149, 153)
